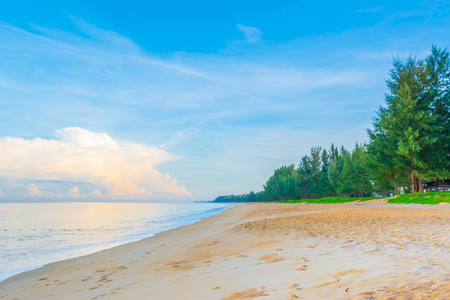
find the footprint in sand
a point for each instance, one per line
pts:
(302, 268)
(248, 294)
(295, 293)
(100, 270)
(340, 274)
(271, 258)
(207, 244)
(183, 265)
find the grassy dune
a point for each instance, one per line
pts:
(329, 200)
(417, 198)
(422, 198)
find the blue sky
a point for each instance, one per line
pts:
(188, 100)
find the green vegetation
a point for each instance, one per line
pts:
(251, 197)
(322, 174)
(329, 200)
(336, 172)
(409, 144)
(410, 139)
(422, 198)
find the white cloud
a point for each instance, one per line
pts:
(98, 194)
(124, 170)
(34, 191)
(73, 193)
(252, 34)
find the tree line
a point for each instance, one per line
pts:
(322, 173)
(409, 143)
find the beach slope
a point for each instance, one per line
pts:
(267, 251)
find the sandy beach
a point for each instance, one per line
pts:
(368, 250)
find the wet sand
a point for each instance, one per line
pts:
(366, 250)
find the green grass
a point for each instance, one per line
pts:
(417, 198)
(329, 200)
(421, 198)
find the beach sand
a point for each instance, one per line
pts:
(266, 251)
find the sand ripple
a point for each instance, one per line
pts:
(362, 224)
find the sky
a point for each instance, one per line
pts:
(189, 100)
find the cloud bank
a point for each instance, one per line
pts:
(115, 170)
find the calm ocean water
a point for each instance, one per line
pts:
(35, 234)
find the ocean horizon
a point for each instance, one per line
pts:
(34, 234)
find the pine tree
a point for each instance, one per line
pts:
(406, 119)
(361, 180)
(382, 160)
(438, 66)
(412, 133)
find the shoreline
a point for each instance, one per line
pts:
(251, 250)
(118, 241)
(107, 249)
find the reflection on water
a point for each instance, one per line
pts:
(34, 234)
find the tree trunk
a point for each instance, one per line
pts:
(413, 183)
(420, 185)
(396, 191)
(437, 182)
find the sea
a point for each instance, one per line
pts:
(35, 234)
